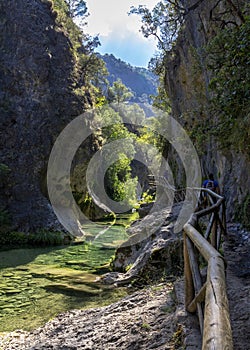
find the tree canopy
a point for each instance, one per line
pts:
(77, 8)
(119, 92)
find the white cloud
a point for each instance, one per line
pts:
(105, 15)
(109, 19)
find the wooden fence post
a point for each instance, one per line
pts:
(197, 281)
(217, 329)
(224, 217)
(189, 285)
(214, 232)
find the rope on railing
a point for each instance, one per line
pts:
(179, 194)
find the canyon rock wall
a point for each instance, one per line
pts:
(37, 101)
(186, 82)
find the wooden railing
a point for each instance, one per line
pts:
(204, 268)
(154, 181)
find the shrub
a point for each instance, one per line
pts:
(4, 221)
(43, 237)
(13, 239)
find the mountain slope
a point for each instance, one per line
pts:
(141, 81)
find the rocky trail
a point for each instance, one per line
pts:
(150, 318)
(237, 255)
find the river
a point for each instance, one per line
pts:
(36, 284)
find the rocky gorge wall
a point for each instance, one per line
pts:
(187, 85)
(37, 101)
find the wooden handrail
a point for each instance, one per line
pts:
(154, 180)
(209, 299)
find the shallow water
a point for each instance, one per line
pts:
(36, 284)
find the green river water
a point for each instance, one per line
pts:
(36, 284)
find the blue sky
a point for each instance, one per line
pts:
(119, 33)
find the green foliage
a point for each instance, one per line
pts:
(133, 114)
(76, 8)
(148, 134)
(161, 101)
(4, 221)
(65, 21)
(108, 115)
(119, 92)
(4, 170)
(9, 238)
(83, 200)
(147, 197)
(92, 70)
(119, 131)
(44, 237)
(200, 133)
(146, 326)
(142, 82)
(163, 22)
(128, 267)
(89, 70)
(178, 338)
(119, 184)
(13, 239)
(228, 59)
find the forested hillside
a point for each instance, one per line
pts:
(142, 82)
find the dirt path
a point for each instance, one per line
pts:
(237, 254)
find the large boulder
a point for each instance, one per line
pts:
(153, 249)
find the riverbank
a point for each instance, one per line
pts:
(151, 318)
(143, 320)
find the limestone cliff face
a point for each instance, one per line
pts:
(37, 101)
(186, 82)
